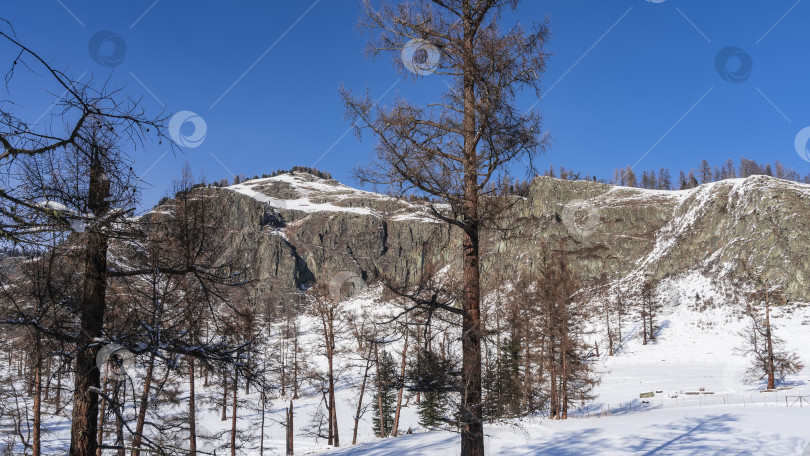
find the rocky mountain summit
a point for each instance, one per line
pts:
(304, 229)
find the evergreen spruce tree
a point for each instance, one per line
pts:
(507, 377)
(431, 408)
(385, 395)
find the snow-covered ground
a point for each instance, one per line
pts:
(694, 353)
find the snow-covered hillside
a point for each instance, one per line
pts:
(701, 405)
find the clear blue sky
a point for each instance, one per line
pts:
(628, 79)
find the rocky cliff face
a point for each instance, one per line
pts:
(304, 229)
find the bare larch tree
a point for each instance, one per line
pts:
(454, 149)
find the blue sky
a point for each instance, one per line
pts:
(630, 82)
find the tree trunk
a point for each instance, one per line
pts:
(379, 390)
(101, 417)
(261, 438)
(362, 392)
(233, 411)
(609, 332)
(295, 363)
(192, 411)
(644, 325)
(147, 385)
(224, 397)
(58, 398)
(91, 320)
(471, 422)
(527, 376)
(564, 385)
(394, 430)
(769, 340)
(36, 449)
(552, 373)
(332, 408)
(290, 429)
(119, 423)
(333, 411)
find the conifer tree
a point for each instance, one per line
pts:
(385, 398)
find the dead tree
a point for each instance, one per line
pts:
(454, 150)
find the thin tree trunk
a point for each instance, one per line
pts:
(290, 429)
(36, 449)
(224, 397)
(362, 393)
(144, 401)
(261, 438)
(233, 411)
(527, 376)
(644, 325)
(564, 388)
(609, 332)
(58, 399)
(553, 383)
(101, 418)
(379, 391)
(395, 428)
(119, 423)
(295, 362)
(769, 340)
(192, 410)
(332, 407)
(334, 421)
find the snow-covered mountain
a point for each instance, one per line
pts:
(305, 229)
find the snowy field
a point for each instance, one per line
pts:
(694, 351)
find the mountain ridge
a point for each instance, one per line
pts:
(304, 229)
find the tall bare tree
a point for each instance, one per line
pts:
(453, 149)
(770, 360)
